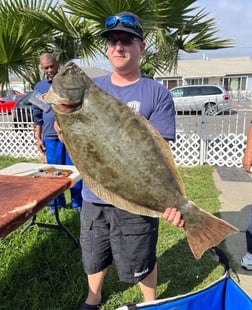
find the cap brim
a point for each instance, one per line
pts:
(106, 33)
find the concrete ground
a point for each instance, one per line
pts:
(236, 202)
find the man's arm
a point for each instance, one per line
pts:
(38, 123)
(247, 158)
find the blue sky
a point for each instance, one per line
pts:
(233, 20)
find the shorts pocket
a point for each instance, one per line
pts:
(138, 225)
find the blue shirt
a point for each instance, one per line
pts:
(44, 118)
(147, 97)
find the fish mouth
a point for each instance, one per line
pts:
(63, 104)
(66, 108)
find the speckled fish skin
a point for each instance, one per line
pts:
(123, 159)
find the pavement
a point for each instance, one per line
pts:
(235, 187)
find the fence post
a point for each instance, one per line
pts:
(203, 137)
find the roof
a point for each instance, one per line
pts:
(195, 68)
(93, 72)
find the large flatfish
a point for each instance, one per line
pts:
(123, 159)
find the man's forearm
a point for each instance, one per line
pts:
(247, 158)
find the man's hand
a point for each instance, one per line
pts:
(37, 136)
(41, 146)
(174, 216)
(247, 158)
(247, 161)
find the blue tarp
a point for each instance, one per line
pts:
(223, 294)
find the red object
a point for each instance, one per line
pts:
(7, 103)
(226, 97)
(21, 197)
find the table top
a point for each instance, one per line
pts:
(23, 194)
(36, 170)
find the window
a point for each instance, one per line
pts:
(177, 92)
(200, 81)
(235, 83)
(171, 83)
(210, 90)
(193, 91)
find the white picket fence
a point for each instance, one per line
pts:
(213, 140)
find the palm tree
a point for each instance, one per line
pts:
(72, 36)
(21, 40)
(71, 28)
(29, 28)
(170, 26)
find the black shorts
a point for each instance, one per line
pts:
(109, 234)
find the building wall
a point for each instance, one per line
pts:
(235, 74)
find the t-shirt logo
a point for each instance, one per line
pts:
(134, 105)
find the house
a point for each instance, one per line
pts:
(93, 72)
(21, 86)
(234, 74)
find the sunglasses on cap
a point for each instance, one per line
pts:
(125, 20)
(125, 42)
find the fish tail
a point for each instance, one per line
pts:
(204, 230)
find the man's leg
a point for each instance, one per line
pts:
(133, 239)
(96, 250)
(246, 261)
(95, 282)
(148, 285)
(55, 155)
(249, 233)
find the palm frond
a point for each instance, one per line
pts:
(70, 29)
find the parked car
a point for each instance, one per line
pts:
(7, 104)
(22, 111)
(6, 92)
(210, 99)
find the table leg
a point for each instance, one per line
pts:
(30, 224)
(63, 227)
(58, 226)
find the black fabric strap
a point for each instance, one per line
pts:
(223, 259)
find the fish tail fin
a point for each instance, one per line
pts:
(204, 230)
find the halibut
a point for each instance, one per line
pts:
(123, 159)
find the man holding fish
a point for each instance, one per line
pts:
(107, 231)
(115, 129)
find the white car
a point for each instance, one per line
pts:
(210, 99)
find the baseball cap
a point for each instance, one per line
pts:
(123, 21)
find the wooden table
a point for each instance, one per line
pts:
(24, 190)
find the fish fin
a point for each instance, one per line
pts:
(118, 201)
(204, 230)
